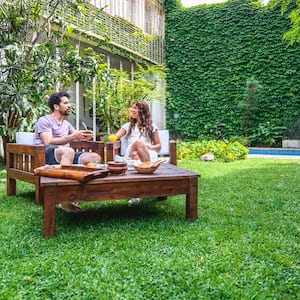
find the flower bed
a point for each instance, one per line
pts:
(222, 151)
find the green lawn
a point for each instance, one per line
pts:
(244, 245)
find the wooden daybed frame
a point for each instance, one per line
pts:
(22, 159)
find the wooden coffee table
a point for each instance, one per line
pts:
(166, 181)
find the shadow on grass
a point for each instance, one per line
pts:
(119, 211)
(111, 216)
(28, 196)
(255, 195)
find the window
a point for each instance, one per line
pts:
(154, 22)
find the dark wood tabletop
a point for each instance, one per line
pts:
(164, 172)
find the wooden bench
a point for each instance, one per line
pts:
(168, 147)
(22, 159)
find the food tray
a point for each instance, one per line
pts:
(80, 173)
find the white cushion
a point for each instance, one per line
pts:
(124, 144)
(26, 138)
(164, 142)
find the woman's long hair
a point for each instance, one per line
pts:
(144, 121)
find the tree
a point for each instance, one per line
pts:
(293, 9)
(115, 93)
(247, 106)
(36, 59)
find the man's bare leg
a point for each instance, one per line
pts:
(90, 157)
(65, 156)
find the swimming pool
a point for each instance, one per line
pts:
(274, 151)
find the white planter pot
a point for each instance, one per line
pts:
(291, 144)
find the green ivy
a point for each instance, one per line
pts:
(212, 52)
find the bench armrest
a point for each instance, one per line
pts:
(112, 149)
(25, 157)
(173, 152)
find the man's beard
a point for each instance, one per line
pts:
(66, 113)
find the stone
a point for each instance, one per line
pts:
(208, 156)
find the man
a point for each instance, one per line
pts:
(56, 133)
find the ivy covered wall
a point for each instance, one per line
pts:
(213, 52)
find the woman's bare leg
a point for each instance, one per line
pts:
(138, 149)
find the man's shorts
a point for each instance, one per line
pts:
(51, 158)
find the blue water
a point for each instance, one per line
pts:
(274, 151)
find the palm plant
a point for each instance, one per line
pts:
(36, 59)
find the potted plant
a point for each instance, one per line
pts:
(291, 137)
(267, 135)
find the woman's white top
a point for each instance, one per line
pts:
(137, 135)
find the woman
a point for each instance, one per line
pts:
(142, 134)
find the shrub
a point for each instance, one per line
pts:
(241, 139)
(223, 151)
(268, 134)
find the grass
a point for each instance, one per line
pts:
(244, 245)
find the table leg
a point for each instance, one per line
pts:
(49, 214)
(192, 200)
(11, 187)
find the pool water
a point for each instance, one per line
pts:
(274, 151)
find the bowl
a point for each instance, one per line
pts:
(117, 168)
(146, 167)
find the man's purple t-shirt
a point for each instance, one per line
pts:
(49, 124)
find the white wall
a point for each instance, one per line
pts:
(158, 114)
(1, 147)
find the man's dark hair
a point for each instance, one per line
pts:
(55, 98)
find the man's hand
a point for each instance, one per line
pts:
(83, 135)
(77, 135)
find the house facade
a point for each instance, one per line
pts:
(136, 32)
